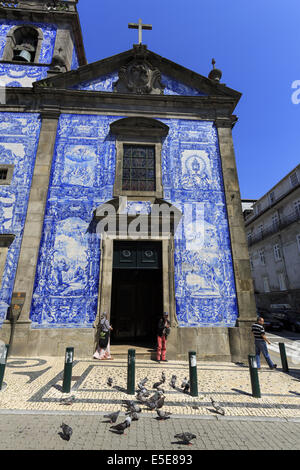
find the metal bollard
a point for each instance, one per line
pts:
(68, 370)
(254, 376)
(131, 372)
(284, 362)
(193, 374)
(3, 357)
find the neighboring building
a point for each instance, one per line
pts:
(273, 233)
(247, 206)
(75, 139)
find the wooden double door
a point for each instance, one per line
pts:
(137, 296)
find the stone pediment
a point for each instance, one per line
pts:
(140, 72)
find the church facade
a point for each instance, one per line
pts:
(118, 193)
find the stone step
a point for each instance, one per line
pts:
(121, 351)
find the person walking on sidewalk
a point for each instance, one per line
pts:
(261, 343)
(163, 332)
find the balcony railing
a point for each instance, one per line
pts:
(275, 227)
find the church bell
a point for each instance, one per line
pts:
(24, 56)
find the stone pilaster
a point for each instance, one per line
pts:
(25, 276)
(241, 339)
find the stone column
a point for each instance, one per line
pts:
(241, 338)
(25, 276)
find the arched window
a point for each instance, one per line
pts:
(23, 44)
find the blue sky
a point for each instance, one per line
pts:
(257, 46)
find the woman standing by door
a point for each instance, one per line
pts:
(103, 350)
(163, 332)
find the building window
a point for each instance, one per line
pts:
(6, 173)
(294, 179)
(258, 208)
(275, 221)
(266, 284)
(262, 256)
(297, 207)
(298, 241)
(138, 168)
(277, 252)
(261, 230)
(138, 157)
(272, 197)
(282, 284)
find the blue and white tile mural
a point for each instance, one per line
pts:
(82, 178)
(106, 83)
(19, 135)
(192, 180)
(173, 87)
(15, 75)
(67, 280)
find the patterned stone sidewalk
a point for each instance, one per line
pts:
(36, 384)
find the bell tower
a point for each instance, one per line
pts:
(38, 39)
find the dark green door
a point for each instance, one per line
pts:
(136, 303)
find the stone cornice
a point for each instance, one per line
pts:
(207, 107)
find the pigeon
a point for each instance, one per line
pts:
(173, 381)
(120, 428)
(163, 377)
(184, 382)
(160, 390)
(185, 437)
(67, 432)
(67, 401)
(143, 382)
(131, 406)
(217, 407)
(186, 387)
(151, 404)
(162, 415)
(113, 416)
(160, 402)
(109, 381)
(157, 384)
(134, 416)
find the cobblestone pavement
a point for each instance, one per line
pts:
(36, 384)
(91, 432)
(32, 410)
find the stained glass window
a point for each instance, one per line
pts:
(138, 168)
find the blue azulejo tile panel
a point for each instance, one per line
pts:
(106, 83)
(15, 75)
(82, 177)
(49, 36)
(192, 181)
(174, 87)
(19, 134)
(103, 83)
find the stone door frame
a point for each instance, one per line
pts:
(106, 272)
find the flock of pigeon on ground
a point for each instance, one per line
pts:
(154, 402)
